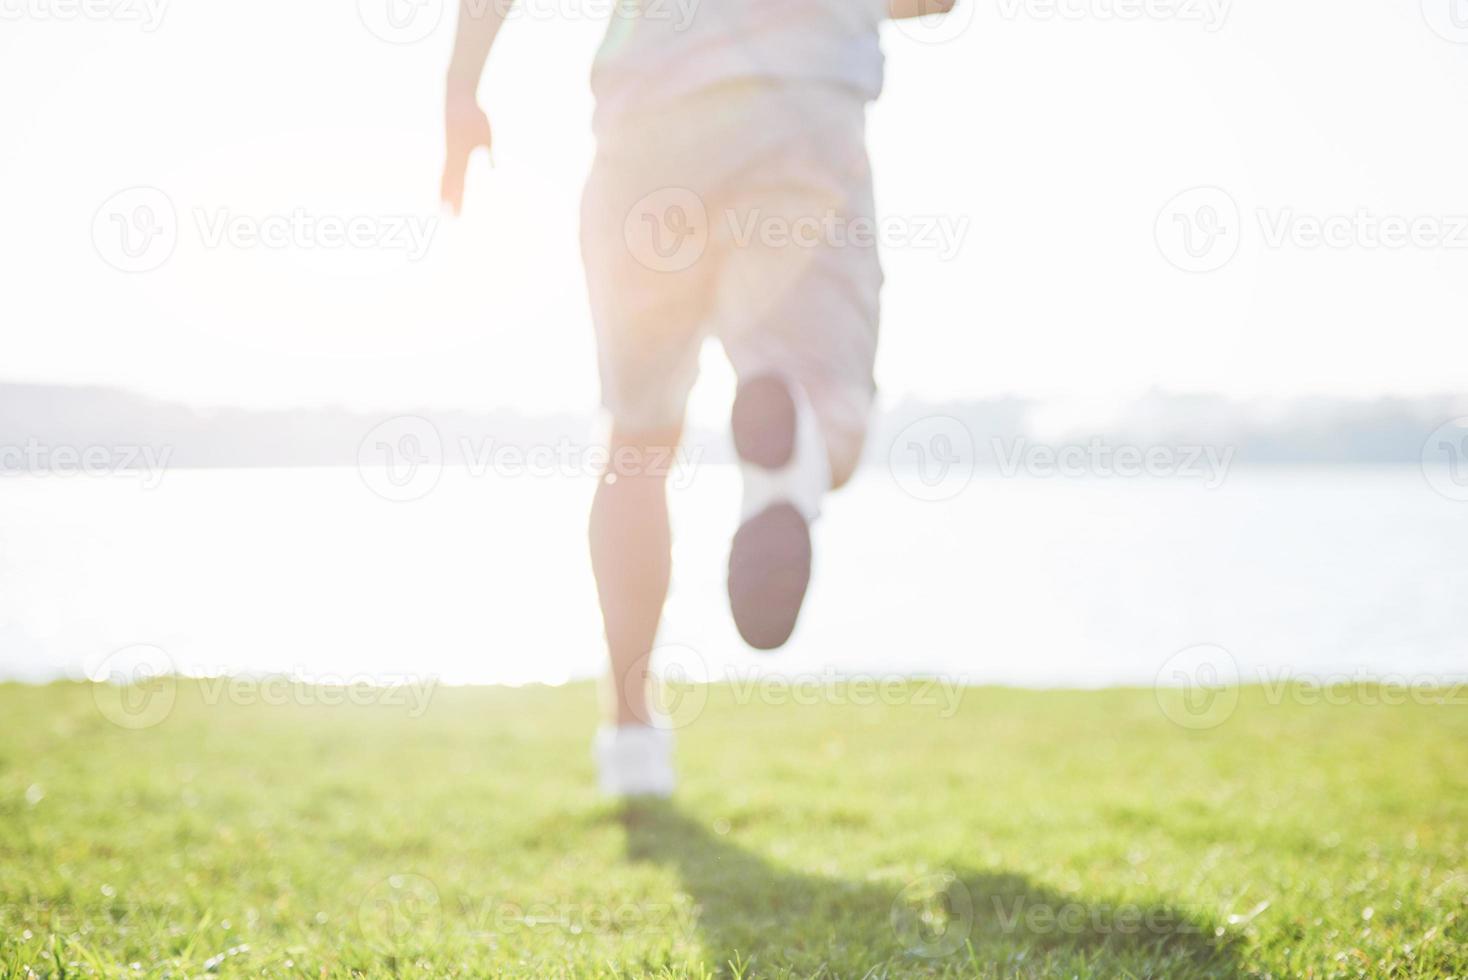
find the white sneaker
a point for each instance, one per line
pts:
(634, 760)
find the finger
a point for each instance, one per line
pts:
(452, 188)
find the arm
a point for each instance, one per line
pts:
(466, 128)
(903, 9)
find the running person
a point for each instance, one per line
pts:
(731, 196)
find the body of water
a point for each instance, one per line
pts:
(1026, 581)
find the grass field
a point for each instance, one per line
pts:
(1026, 834)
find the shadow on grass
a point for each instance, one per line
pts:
(767, 918)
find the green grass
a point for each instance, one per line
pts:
(1029, 834)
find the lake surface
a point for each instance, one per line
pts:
(1022, 581)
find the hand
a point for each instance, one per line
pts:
(466, 128)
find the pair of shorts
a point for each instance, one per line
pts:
(742, 212)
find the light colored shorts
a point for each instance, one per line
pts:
(744, 212)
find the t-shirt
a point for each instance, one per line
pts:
(655, 50)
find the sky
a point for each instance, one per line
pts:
(1134, 196)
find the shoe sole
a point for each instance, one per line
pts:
(769, 562)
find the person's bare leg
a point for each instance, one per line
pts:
(631, 558)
